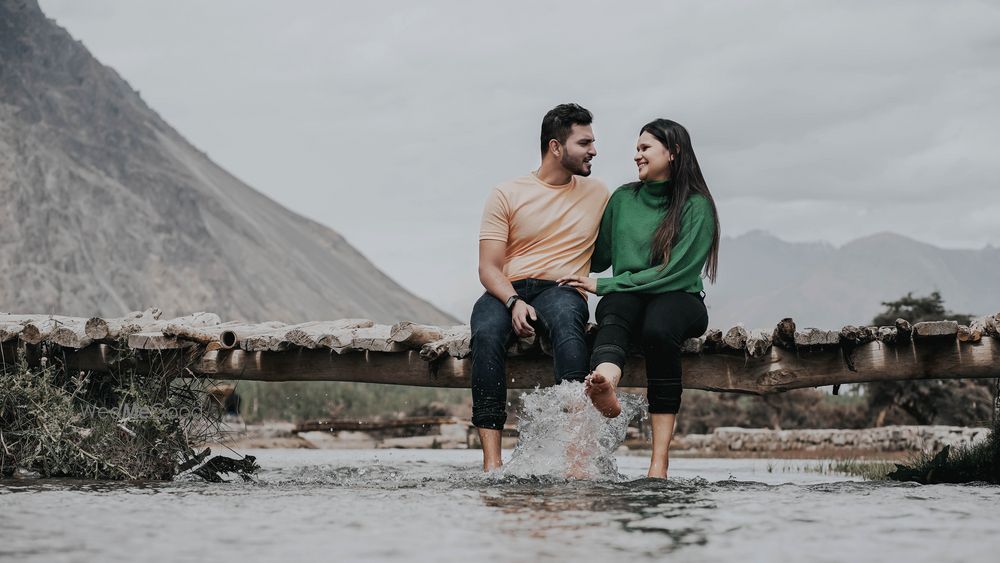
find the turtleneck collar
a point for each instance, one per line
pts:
(657, 189)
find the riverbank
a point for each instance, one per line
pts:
(889, 442)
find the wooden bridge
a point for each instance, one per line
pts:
(739, 360)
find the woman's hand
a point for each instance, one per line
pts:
(587, 284)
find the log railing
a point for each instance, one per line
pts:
(739, 360)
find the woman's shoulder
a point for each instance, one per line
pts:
(624, 190)
(698, 202)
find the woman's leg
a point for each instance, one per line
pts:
(663, 432)
(669, 319)
(618, 316)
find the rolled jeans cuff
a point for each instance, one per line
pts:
(607, 353)
(489, 422)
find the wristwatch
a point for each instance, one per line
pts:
(511, 300)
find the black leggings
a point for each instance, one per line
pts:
(660, 322)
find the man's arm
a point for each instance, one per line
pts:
(491, 258)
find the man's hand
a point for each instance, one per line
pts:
(587, 284)
(520, 315)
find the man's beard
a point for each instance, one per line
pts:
(574, 165)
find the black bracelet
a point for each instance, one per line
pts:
(511, 301)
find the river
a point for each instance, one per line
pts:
(434, 505)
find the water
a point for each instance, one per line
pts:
(560, 434)
(436, 505)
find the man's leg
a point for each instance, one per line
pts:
(563, 313)
(491, 333)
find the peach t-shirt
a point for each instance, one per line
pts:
(549, 230)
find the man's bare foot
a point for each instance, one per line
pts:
(602, 393)
(491, 442)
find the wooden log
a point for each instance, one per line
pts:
(9, 318)
(153, 338)
(38, 330)
(977, 330)
(693, 345)
(758, 343)
(10, 330)
(457, 344)
(374, 425)
(904, 331)
(226, 335)
(713, 340)
(850, 338)
(71, 334)
(156, 340)
(275, 340)
(935, 328)
(736, 338)
(815, 337)
(461, 346)
(965, 334)
(886, 334)
(339, 340)
(98, 328)
(414, 336)
(317, 335)
(851, 335)
(991, 325)
(199, 334)
(434, 350)
(778, 371)
(784, 334)
(375, 339)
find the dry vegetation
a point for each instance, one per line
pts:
(124, 423)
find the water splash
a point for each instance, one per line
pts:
(562, 435)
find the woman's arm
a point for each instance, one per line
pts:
(601, 259)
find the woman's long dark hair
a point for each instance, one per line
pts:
(686, 179)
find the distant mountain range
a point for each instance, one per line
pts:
(105, 208)
(762, 279)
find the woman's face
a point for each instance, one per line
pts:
(652, 158)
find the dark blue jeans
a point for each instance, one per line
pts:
(562, 314)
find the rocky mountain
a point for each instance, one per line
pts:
(763, 278)
(104, 208)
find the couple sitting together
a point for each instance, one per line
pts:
(542, 235)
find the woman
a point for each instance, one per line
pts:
(658, 235)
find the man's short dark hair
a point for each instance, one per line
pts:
(559, 122)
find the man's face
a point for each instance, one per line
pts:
(579, 150)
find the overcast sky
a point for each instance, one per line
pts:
(391, 121)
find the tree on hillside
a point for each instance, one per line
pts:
(918, 309)
(951, 401)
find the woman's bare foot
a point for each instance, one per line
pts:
(663, 433)
(657, 470)
(602, 393)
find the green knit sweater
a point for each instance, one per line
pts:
(625, 238)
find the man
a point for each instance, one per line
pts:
(535, 230)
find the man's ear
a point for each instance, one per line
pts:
(554, 147)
